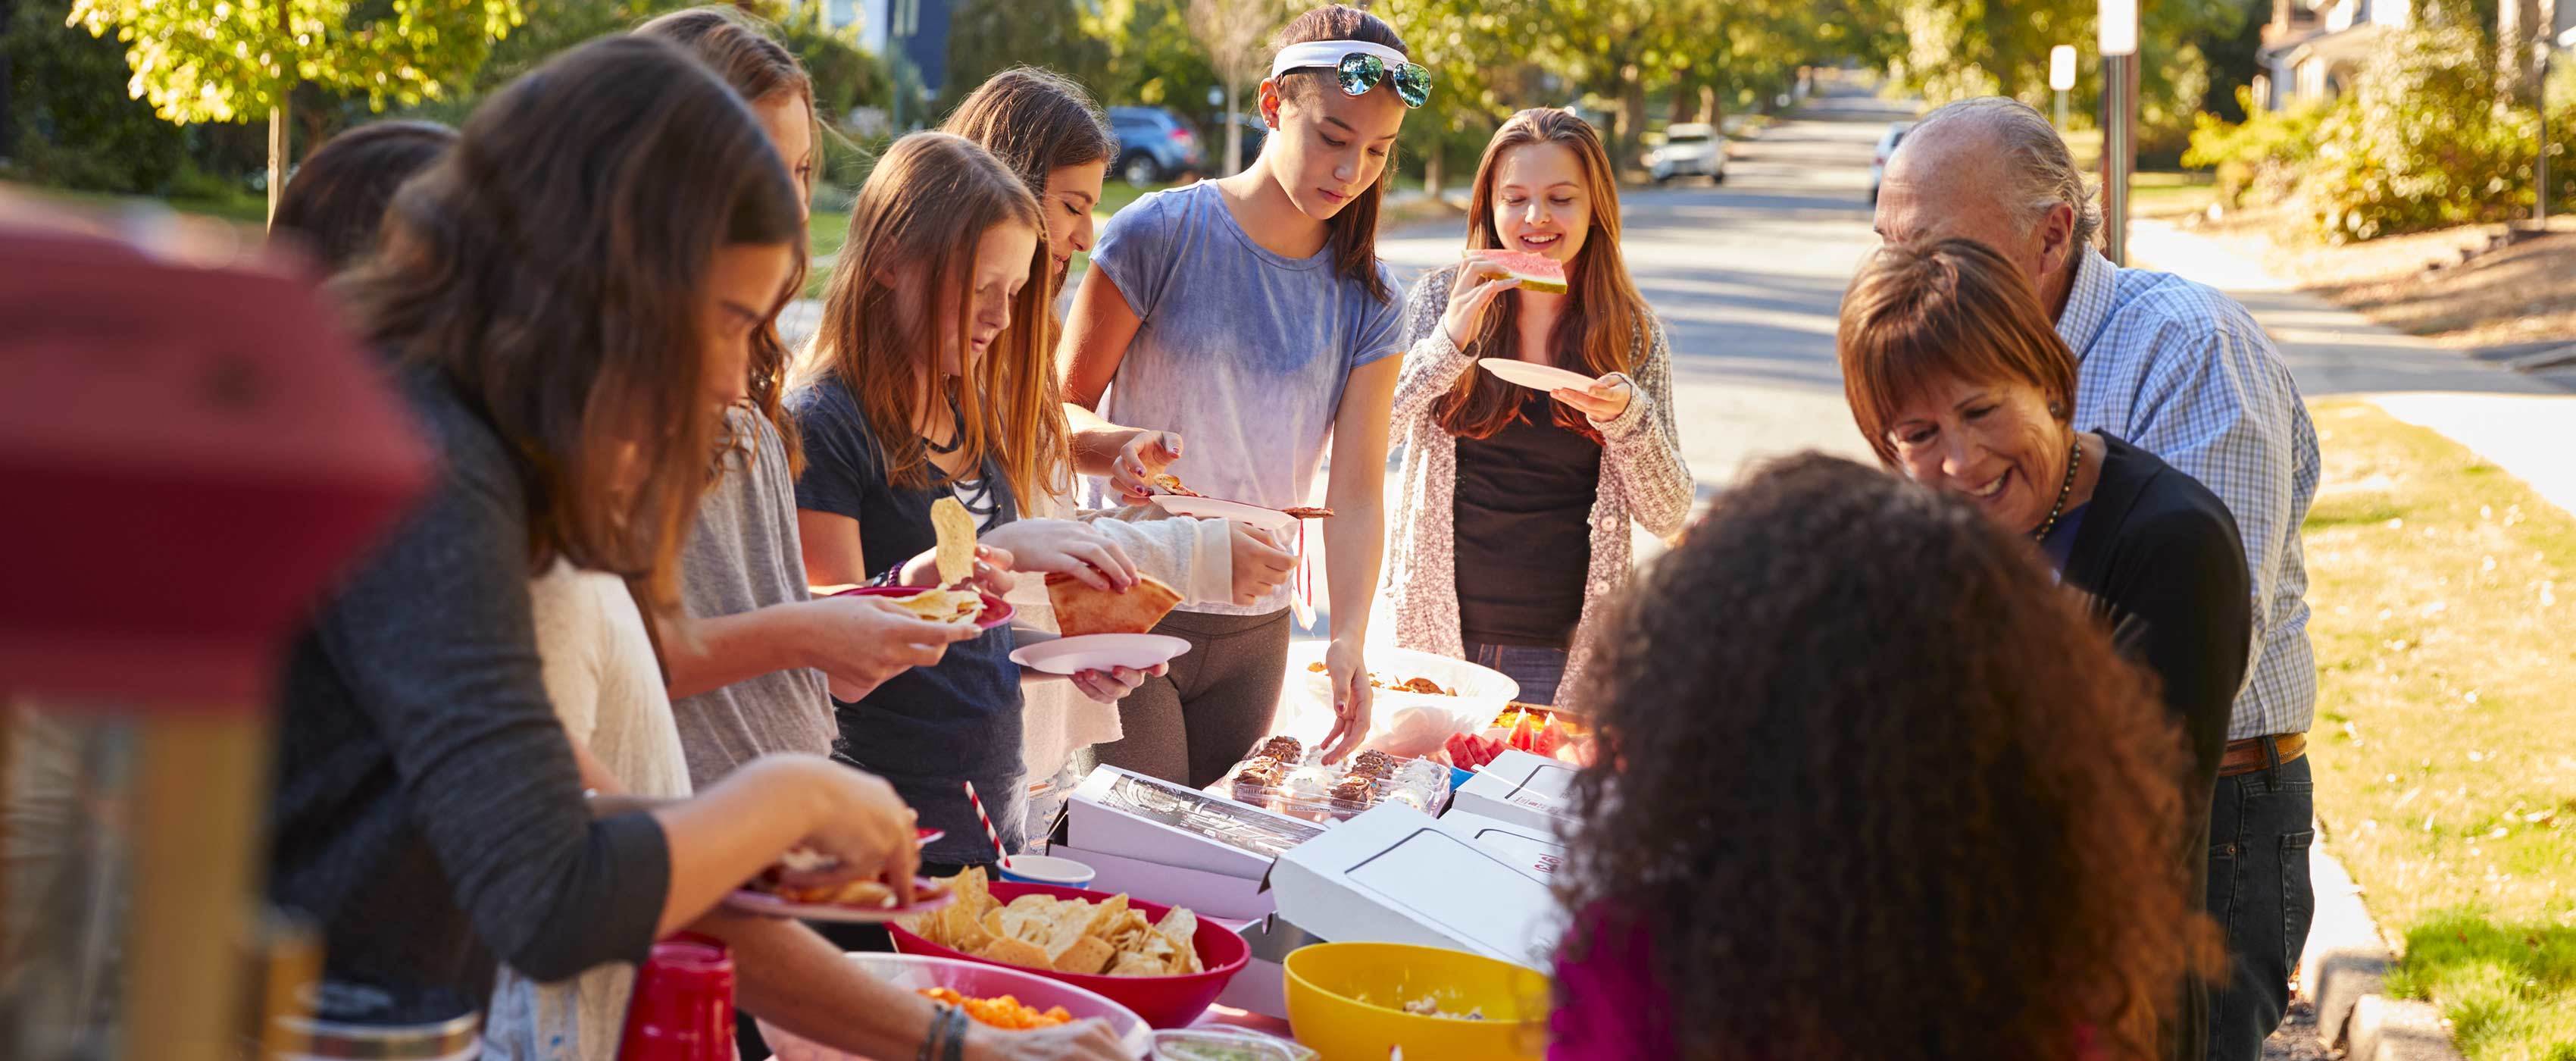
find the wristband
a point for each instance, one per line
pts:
(888, 577)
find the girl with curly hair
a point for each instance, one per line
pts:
(1838, 811)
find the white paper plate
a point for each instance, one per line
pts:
(924, 900)
(1069, 655)
(1215, 508)
(1534, 376)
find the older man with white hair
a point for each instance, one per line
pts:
(2185, 373)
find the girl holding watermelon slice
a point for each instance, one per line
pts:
(1516, 503)
(1251, 316)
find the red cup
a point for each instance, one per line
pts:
(683, 1004)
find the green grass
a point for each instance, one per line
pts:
(2444, 596)
(244, 208)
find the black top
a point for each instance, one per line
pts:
(1523, 524)
(927, 728)
(427, 808)
(2161, 554)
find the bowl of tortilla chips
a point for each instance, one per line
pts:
(1163, 962)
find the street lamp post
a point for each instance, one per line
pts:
(2119, 42)
(2061, 76)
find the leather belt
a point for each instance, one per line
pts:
(2246, 756)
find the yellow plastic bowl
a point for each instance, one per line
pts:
(1346, 1001)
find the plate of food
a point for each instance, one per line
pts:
(1104, 628)
(1175, 497)
(865, 902)
(1533, 375)
(1421, 698)
(949, 601)
(1164, 962)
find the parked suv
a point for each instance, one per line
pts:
(1689, 150)
(1154, 145)
(1887, 142)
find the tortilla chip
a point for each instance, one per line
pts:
(1027, 927)
(1107, 914)
(1033, 903)
(1088, 956)
(956, 529)
(1137, 965)
(1080, 609)
(1014, 952)
(943, 605)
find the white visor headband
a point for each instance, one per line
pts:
(1328, 54)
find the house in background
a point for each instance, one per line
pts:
(2313, 48)
(912, 35)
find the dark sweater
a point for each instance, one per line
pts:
(428, 810)
(2162, 554)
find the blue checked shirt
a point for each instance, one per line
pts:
(2185, 373)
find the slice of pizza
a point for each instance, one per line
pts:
(1080, 609)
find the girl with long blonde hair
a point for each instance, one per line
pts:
(1513, 525)
(918, 386)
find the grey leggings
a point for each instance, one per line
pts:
(1193, 724)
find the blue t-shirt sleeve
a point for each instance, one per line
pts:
(1134, 252)
(842, 464)
(1381, 329)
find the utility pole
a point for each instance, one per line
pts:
(2119, 43)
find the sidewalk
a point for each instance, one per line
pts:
(2526, 424)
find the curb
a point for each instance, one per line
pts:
(2342, 972)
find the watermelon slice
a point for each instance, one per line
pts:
(1536, 272)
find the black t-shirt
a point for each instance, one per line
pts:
(927, 728)
(1522, 511)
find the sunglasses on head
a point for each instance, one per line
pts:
(1359, 72)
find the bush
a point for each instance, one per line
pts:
(2422, 142)
(2260, 158)
(76, 125)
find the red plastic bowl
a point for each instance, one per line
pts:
(1164, 1001)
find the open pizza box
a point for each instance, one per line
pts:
(1519, 788)
(1397, 875)
(1169, 843)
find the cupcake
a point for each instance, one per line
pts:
(1353, 793)
(1374, 764)
(1254, 782)
(1284, 749)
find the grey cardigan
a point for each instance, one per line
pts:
(1643, 481)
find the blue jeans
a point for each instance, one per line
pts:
(2260, 827)
(1538, 670)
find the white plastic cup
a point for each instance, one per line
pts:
(1047, 869)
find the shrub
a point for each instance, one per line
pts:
(2260, 158)
(2422, 142)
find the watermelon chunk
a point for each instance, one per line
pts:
(1536, 272)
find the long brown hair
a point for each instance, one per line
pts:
(1605, 325)
(927, 205)
(1918, 314)
(740, 50)
(551, 266)
(1036, 122)
(336, 201)
(1833, 777)
(1352, 233)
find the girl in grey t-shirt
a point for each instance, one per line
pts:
(1251, 317)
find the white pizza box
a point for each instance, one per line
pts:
(1521, 788)
(1149, 820)
(1396, 875)
(1538, 850)
(1212, 894)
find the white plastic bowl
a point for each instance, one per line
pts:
(1411, 725)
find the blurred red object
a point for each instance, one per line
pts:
(683, 1005)
(193, 449)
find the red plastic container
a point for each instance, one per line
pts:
(1164, 1001)
(683, 1005)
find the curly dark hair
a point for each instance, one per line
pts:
(1872, 787)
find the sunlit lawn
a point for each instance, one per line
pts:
(2444, 594)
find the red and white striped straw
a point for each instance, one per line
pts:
(989, 832)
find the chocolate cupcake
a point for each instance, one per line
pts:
(1284, 749)
(1257, 778)
(1353, 793)
(1374, 764)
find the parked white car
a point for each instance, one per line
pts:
(1689, 150)
(1887, 142)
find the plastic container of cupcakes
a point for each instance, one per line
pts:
(1281, 774)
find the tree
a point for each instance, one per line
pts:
(227, 60)
(1236, 35)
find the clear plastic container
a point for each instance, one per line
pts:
(1214, 1044)
(1271, 778)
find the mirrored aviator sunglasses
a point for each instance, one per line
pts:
(1360, 72)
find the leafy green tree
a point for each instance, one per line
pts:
(986, 37)
(230, 60)
(1953, 49)
(73, 125)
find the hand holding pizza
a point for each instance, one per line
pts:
(1480, 279)
(1601, 402)
(1144, 456)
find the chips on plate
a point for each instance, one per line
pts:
(1067, 935)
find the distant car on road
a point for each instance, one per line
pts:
(1887, 142)
(1154, 145)
(1689, 150)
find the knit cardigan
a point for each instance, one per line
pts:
(1643, 481)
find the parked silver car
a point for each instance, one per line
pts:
(1689, 150)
